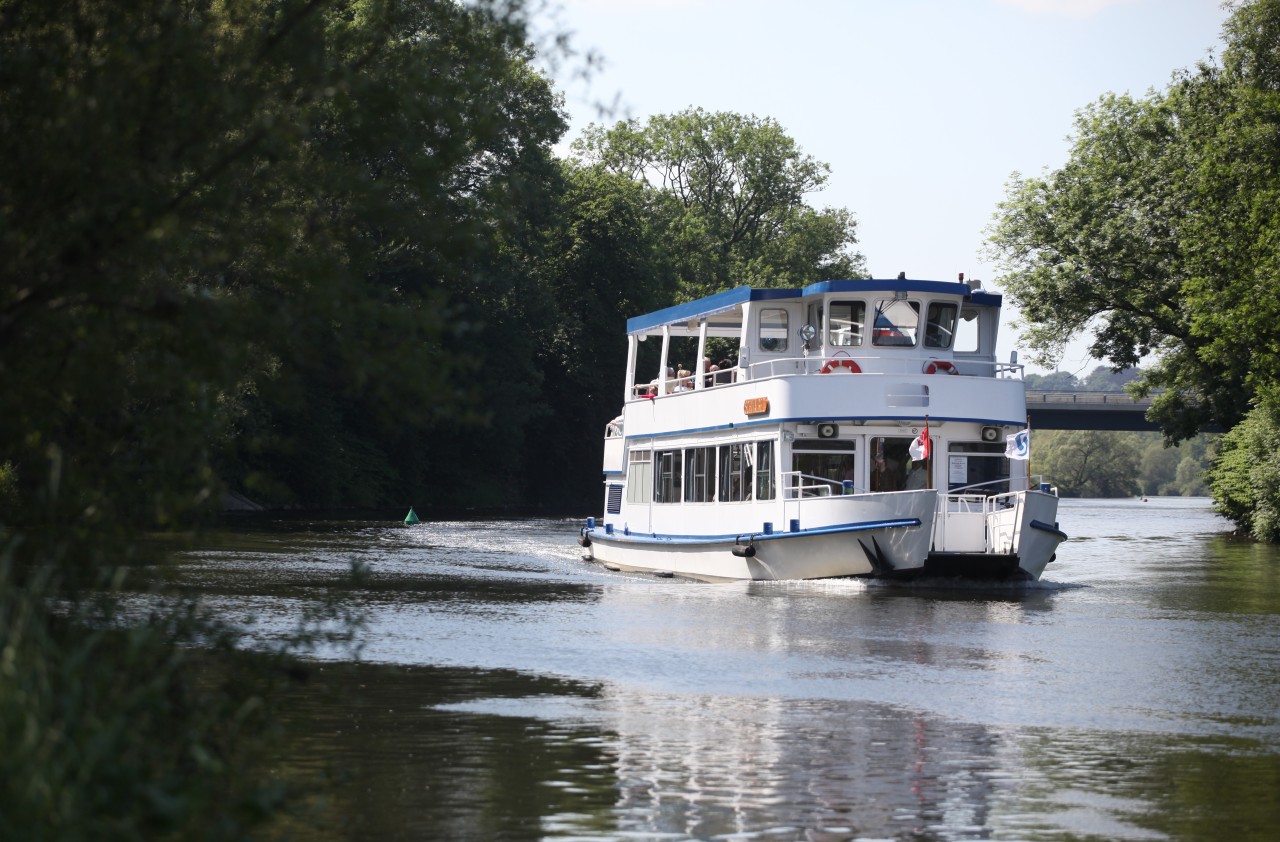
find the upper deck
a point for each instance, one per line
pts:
(859, 349)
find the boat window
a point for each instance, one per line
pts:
(940, 327)
(977, 463)
(892, 468)
(639, 477)
(666, 488)
(773, 330)
(822, 467)
(699, 474)
(967, 331)
(765, 483)
(846, 320)
(735, 473)
(896, 322)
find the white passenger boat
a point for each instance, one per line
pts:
(850, 428)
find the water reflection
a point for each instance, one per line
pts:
(514, 692)
(476, 755)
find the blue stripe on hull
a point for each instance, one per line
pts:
(654, 538)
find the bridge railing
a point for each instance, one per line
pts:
(1091, 400)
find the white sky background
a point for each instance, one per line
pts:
(922, 108)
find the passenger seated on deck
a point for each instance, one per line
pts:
(671, 380)
(725, 373)
(684, 380)
(655, 385)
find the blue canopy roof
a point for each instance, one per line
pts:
(730, 299)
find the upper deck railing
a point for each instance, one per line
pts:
(870, 364)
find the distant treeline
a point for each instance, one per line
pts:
(1107, 463)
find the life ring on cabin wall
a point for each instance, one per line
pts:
(836, 362)
(946, 366)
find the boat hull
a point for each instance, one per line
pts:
(1021, 539)
(890, 536)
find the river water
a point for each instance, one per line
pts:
(506, 689)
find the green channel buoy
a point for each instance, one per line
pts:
(412, 517)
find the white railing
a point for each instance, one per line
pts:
(798, 487)
(811, 364)
(803, 485)
(971, 520)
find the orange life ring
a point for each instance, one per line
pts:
(934, 366)
(836, 362)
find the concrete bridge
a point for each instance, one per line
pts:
(1088, 411)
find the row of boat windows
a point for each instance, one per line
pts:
(729, 473)
(745, 471)
(894, 323)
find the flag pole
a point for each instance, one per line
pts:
(928, 460)
(1028, 451)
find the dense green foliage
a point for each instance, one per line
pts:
(1099, 463)
(1246, 479)
(236, 233)
(1094, 463)
(318, 252)
(1160, 235)
(729, 199)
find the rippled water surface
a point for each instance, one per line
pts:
(506, 689)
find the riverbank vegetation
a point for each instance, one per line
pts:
(321, 253)
(1159, 239)
(1099, 463)
(279, 245)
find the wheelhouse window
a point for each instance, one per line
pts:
(940, 327)
(896, 322)
(639, 477)
(980, 464)
(666, 488)
(773, 330)
(845, 323)
(967, 331)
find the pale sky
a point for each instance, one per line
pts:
(922, 108)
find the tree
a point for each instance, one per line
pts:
(732, 192)
(1089, 463)
(1159, 465)
(1158, 235)
(1106, 379)
(1057, 381)
(604, 262)
(1099, 245)
(218, 216)
(1245, 479)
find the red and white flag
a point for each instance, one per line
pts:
(920, 448)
